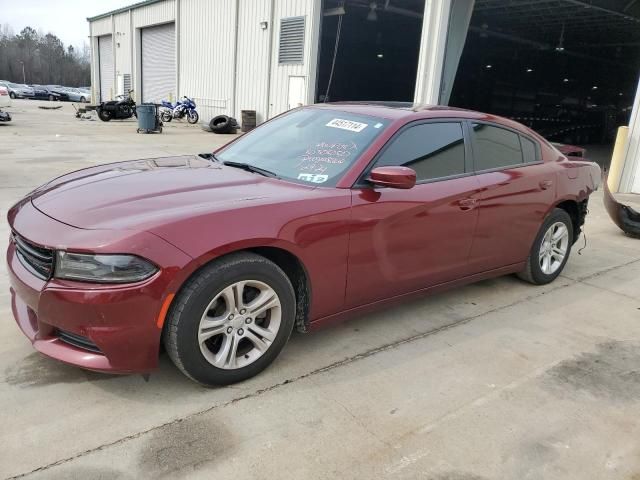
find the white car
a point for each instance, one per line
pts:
(5, 101)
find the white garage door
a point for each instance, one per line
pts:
(158, 63)
(105, 58)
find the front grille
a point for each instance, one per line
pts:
(37, 260)
(78, 341)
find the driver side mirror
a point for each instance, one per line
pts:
(393, 177)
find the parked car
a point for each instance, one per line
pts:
(320, 213)
(18, 91)
(61, 91)
(75, 95)
(5, 101)
(43, 92)
(570, 150)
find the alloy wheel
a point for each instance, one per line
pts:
(239, 324)
(553, 248)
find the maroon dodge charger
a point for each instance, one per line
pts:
(318, 214)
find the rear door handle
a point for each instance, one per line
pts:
(545, 184)
(467, 203)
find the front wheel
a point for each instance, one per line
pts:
(550, 250)
(104, 115)
(83, 100)
(166, 116)
(230, 320)
(12, 95)
(51, 98)
(192, 117)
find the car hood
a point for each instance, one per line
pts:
(141, 194)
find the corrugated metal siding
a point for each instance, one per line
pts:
(154, 14)
(207, 36)
(253, 58)
(101, 27)
(279, 90)
(122, 36)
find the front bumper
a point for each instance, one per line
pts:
(118, 322)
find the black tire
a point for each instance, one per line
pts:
(104, 115)
(221, 124)
(83, 100)
(166, 116)
(533, 272)
(12, 95)
(183, 320)
(51, 98)
(193, 117)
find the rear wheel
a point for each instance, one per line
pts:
(51, 98)
(12, 95)
(166, 116)
(83, 100)
(230, 320)
(550, 250)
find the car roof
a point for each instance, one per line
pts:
(412, 111)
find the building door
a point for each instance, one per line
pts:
(297, 94)
(158, 53)
(105, 62)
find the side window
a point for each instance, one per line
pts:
(528, 150)
(433, 150)
(495, 147)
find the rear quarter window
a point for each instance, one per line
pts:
(495, 147)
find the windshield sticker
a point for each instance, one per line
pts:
(313, 178)
(347, 125)
(377, 125)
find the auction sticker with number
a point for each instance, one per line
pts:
(347, 125)
(314, 178)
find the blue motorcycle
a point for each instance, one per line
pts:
(183, 108)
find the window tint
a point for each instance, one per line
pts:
(528, 150)
(495, 147)
(433, 150)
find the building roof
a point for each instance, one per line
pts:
(123, 9)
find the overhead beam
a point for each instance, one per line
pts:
(603, 9)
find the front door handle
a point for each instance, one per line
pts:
(545, 184)
(467, 203)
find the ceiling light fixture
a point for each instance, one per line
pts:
(595, 87)
(565, 80)
(560, 47)
(488, 66)
(372, 16)
(529, 70)
(380, 55)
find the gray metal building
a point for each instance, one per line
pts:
(542, 62)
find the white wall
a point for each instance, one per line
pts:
(279, 88)
(254, 53)
(207, 45)
(123, 44)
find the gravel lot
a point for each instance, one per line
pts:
(497, 380)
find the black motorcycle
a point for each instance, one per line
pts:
(124, 107)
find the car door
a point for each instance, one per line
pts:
(517, 191)
(405, 240)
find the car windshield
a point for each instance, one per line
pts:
(311, 146)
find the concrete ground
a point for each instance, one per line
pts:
(497, 380)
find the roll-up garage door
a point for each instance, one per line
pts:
(158, 62)
(105, 57)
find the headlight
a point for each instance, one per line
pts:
(102, 268)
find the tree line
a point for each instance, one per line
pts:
(32, 57)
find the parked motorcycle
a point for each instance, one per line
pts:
(183, 108)
(124, 107)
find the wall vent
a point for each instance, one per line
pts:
(291, 48)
